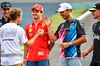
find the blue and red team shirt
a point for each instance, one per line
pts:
(39, 50)
(69, 31)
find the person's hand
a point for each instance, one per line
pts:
(0, 48)
(84, 54)
(24, 62)
(64, 45)
(40, 32)
(46, 21)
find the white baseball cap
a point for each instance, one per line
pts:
(64, 6)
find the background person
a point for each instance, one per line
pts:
(95, 47)
(5, 7)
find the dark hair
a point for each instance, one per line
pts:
(14, 12)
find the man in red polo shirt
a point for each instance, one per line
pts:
(38, 53)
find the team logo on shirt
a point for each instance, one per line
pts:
(43, 24)
(96, 37)
(30, 25)
(71, 26)
(30, 30)
(40, 53)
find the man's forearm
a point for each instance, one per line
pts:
(91, 48)
(50, 45)
(30, 42)
(25, 51)
(79, 41)
(51, 35)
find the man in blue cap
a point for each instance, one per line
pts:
(95, 47)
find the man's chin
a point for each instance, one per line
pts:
(94, 18)
(35, 18)
(7, 16)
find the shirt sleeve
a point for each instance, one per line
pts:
(22, 36)
(80, 29)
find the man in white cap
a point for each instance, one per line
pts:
(71, 34)
(95, 47)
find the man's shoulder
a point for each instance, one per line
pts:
(79, 22)
(76, 20)
(62, 23)
(29, 24)
(20, 29)
(94, 25)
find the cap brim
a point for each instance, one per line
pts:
(60, 10)
(31, 8)
(5, 7)
(92, 9)
(34, 8)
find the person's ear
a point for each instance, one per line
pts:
(68, 10)
(42, 12)
(17, 18)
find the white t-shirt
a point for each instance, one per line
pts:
(11, 37)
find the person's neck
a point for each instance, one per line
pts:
(6, 18)
(36, 21)
(13, 21)
(98, 19)
(69, 18)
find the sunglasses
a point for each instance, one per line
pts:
(6, 9)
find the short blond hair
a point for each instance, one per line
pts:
(14, 12)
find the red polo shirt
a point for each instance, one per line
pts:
(39, 50)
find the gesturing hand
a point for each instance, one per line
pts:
(46, 21)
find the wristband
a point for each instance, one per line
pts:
(25, 57)
(70, 43)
